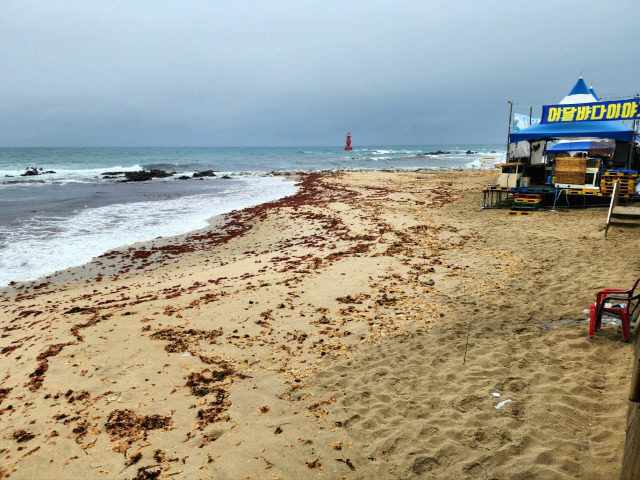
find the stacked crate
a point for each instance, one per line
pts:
(627, 182)
(525, 204)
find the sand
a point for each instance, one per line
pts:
(360, 329)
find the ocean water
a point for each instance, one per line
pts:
(53, 221)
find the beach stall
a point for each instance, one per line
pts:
(578, 150)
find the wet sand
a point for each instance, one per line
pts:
(356, 330)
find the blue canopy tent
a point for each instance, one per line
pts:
(580, 93)
(551, 131)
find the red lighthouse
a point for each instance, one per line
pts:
(348, 147)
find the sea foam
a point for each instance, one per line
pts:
(44, 245)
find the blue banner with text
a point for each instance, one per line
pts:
(583, 112)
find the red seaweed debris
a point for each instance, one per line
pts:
(37, 377)
(239, 222)
(4, 393)
(128, 427)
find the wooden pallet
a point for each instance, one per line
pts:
(584, 192)
(623, 191)
(535, 190)
(527, 207)
(611, 181)
(619, 174)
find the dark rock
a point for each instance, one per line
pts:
(226, 177)
(35, 171)
(112, 173)
(184, 177)
(30, 171)
(205, 173)
(439, 152)
(139, 176)
(469, 152)
(143, 175)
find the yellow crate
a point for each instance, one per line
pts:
(622, 187)
(519, 212)
(610, 189)
(583, 192)
(619, 174)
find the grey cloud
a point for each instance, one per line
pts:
(297, 72)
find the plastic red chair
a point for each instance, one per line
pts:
(625, 310)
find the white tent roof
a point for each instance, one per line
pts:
(580, 93)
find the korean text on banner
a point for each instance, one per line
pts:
(597, 111)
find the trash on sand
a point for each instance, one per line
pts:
(501, 404)
(495, 394)
(186, 354)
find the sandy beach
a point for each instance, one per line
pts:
(360, 329)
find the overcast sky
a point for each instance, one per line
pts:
(296, 72)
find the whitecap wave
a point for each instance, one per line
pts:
(42, 245)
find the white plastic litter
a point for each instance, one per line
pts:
(501, 404)
(186, 354)
(495, 394)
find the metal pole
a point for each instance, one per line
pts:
(633, 141)
(635, 131)
(530, 112)
(509, 128)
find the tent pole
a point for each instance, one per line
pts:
(509, 128)
(634, 129)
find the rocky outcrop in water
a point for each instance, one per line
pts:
(144, 175)
(205, 173)
(35, 171)
(439, 152)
